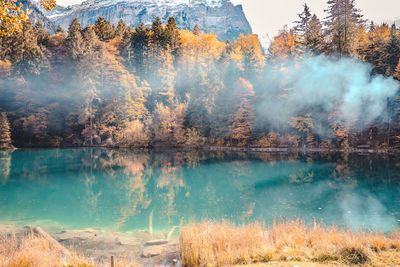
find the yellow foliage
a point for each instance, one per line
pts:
(11, 17)
(193, 138)
(270, 140)
(200, 49)
(133, 134)
(285, 46)
(48, 4)
(250, 47)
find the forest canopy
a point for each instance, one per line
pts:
(322, 83)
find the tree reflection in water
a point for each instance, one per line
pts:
(121, 189)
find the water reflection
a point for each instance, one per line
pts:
(157, 191)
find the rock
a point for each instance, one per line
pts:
(152, 251)
(156, 242)
(158, 250)
(36, 15)
(221, 17)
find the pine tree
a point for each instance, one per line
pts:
(342, 25)
(74, 40)
(5, 134)
(41, 33)
(140, 48)
(103, 29)
(314, 39)
(121, 29)
(25, 53)
(60, 30)
(396, 73)
(172, 35)
(196, 29)
(303, 24)
(391, 54)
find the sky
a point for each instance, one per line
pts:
(267, 17)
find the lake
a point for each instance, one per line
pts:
(124, 190)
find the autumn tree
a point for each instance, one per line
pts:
(341, 128)
(242, 121)
(285, 46)
(168, 127)
(304, 125)
(90, 75)
(372, 46)
(252, 53)
(5, 133)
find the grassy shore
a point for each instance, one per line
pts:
(221, 244)
(285, 244)
(36, 251)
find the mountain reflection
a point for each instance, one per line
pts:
(122, 190)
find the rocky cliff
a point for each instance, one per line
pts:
(223, 18)
(36, 15)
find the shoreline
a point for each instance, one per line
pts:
(138, 246)
(284, 243)
(233, 149)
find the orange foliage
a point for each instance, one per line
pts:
(285, 45)
(251, 49)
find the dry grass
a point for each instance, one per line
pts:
(218, 244)
(36, 251)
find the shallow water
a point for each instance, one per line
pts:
(123, 190)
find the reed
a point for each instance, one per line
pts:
(223, 243)
(36, 251)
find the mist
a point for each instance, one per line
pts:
(344, 85)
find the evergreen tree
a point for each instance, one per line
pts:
(121, 29)
(157, 35)
(303, 24)
(41, 33)
(391, 55)
(196, 30)
(342, 25)
(103, 29)
(314, 39)
(396, 73)
(25, 54)
(60, 30)
(74, 40)
(140, 48)
(172, 35)
(5, 134)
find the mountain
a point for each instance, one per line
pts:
(223, 18)
(36, 15)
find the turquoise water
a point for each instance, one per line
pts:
(125, 190)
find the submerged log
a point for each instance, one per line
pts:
(54, 243)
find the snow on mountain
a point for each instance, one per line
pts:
(223, 18)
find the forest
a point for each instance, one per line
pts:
(327, 82)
